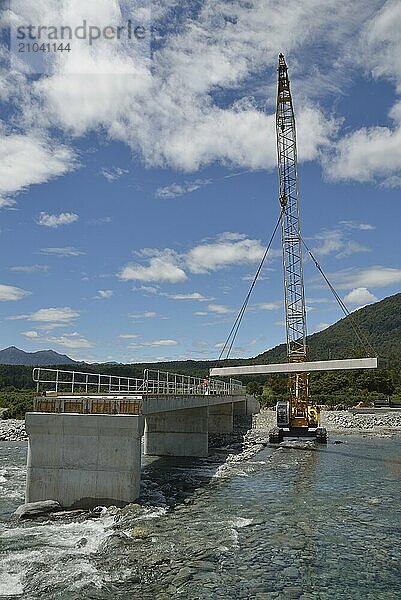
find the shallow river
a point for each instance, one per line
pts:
(287, 523)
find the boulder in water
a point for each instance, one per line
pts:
(37, 509)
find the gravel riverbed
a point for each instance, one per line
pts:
(12, 430)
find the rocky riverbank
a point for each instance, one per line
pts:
(12, 430)
(375, 422)
(340, 421)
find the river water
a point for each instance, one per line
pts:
(285, 523)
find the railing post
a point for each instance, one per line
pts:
(57, 381)
(72, 382)
(98, 384)
(86, 383)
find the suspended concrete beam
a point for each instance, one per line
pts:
(306, 367)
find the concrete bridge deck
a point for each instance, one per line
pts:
(85, 448)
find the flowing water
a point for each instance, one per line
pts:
(286, 523)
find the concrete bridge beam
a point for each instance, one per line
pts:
(177, 433)
(83, 461)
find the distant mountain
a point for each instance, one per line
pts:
(15, 356)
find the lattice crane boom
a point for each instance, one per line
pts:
(295, 312)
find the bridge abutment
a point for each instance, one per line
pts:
(177, 433)
(83, 460)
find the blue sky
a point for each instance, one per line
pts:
(137, 193)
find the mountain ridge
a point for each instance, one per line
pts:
(15, 356)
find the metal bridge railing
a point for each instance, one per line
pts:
(153, 383)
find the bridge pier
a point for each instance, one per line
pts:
(83, 460)
(177, 433)
(221, 418)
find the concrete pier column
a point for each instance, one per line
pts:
(221, 418)
(177, 433)
(83, 461)
(248, 406)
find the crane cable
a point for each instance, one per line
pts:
(362, 339)
(228, 345)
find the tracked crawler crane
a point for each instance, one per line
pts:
(297, 416)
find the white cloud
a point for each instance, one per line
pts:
(211, 257)
(57, 316)
(219, 309)
(368, 154)
(166, 265)
(162, 267)
(360, 296)
(370, 277)
(356, 225)
(30, 334)
(266, 306)
(10, 292)
(68, 251)
(148, 314)
(336, 241)
(56, 220)
(179, 189)
(194, 296)
(29, 159)
(155, 344)
(128, 336)
(105, 293)
(73, 341)
(113, 174)
(374, 153)
(30, 269)
(169, 115)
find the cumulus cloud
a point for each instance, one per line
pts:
(63, 316)
(166, 265)
(30, 334)
(71, 340)
(219, 309)
(360, 296)
(211, 257)
(374, 153)
(337, 241)
(27, 159)
(370, 277)
(266, 306)
(169, 115)
(105, 293)
(11, 293)
(55, 221)
(162, 267)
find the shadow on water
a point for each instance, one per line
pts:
(171, 481)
